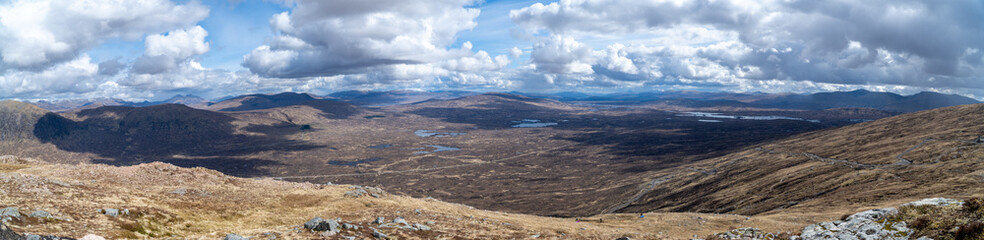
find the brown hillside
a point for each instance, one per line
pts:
(883, 162)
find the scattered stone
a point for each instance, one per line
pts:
(421, 227)
(7, 233)
(379, 220)
(360, 191)
(97, 237)
(32, 237)
(112, 212)
(377, 234)
(350, 226)
(320, 224)
(233, 236)
(746, 233)
(12, 212)
(349, 238)
(400, 220)
(623, 238)
(433, 222)
(871, 224)
(40, 214)
(535, 236)
(417, 211)
(935, 202)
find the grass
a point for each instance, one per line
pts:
(946, 222)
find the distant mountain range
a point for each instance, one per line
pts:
(885, 101)
(817, 101)
(76, 104)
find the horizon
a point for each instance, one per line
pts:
(151, 51)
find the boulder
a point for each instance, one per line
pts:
(112, 212)
(7, 233)
(871, 224)
(378, 234)
(10, 212)
(233, 236)
(320, 224)
(40, 214)
(92, 237)
(421, 227)
(379, 220)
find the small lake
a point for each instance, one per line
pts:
(532, 123)
(437, 148)
(722, 116)
(433, 133)
(381, 146)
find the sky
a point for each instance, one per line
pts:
(155, 49)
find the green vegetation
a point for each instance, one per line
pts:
(946, 222)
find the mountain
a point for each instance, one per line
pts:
(78, 104)
(883, 162)
(862, 98)
(386, 98)
(324, 107)
(18, 120)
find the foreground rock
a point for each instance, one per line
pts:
(871, 224)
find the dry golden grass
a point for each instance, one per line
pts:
(215, 204)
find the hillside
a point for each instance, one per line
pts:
(164, 201)
(865, 99)
(888, 161)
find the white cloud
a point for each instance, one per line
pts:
(37, 34)
(324, 38)
(732, 42)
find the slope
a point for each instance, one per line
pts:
(159, 200)
(884, 162)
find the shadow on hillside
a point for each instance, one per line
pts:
(169, 133)
(329, 108)
(669, 142)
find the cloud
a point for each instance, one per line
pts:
(166, 52)
(927, 44)
(38, 34)
(325, 38)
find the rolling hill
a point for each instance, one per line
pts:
(888, 161)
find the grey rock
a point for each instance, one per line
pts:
(317, 224)
(111, 212)
(13, 212)
(871, 224)
(7, 233)
(623, 238)
(378, 234)
(333, 226)
(40, 214)
(32, 237)
(400, 220)
(379, 220)
(417, 211)
(350, 226)
(935, 202)
(233, 236)
(421, 227)
(349, 238)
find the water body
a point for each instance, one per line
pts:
(709, 120)
(437, 148)
(432, 133)
(381, 146)
(722, 116)
(533, 125)
(353, 164)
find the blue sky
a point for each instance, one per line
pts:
(63, 49)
